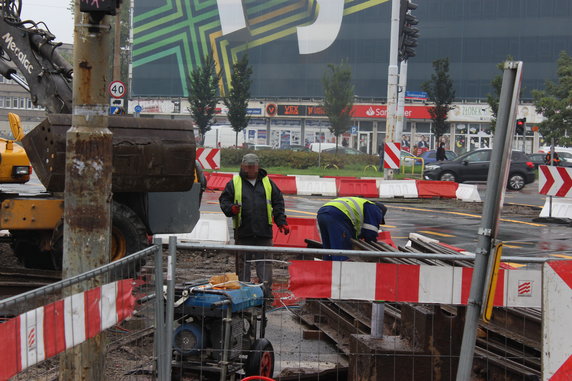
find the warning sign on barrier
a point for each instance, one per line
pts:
(392, 155)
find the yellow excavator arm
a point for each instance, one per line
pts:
(14, 163)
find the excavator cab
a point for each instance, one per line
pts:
(14, 163)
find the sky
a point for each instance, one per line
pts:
(53, 13)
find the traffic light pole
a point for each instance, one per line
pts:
(392, 79)
(401, 100)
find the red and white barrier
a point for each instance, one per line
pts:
(46, 331)
(312, 185)
(556, 316)
(407, 283)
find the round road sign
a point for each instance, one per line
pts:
(117, 89)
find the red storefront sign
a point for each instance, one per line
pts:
(380, 112)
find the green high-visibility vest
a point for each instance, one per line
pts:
(237, 182)
(351, 207)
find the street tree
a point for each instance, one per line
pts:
(554, 104)
(441, 93)
(204, 95)
(338, 98)
(238, 95)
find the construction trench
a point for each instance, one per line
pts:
(422, 342)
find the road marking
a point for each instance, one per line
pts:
(301, 212)
(561, 256)
(512, 246)
(435, 233)
(464, 214)
(516, 265)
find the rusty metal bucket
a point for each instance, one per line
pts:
(149, 155)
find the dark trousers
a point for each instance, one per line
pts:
(336, 231)
(263, 268)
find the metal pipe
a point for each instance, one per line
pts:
(159, 314)
(348, 253)
(171, 262)
(392, 78)
(496, 184)
(226, 345)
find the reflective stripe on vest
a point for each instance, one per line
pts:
(351, 207)
(237, 182)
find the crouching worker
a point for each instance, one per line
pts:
(345, 218)
(252, 200)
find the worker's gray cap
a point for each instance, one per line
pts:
(250, 159)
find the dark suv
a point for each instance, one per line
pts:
(474, 166)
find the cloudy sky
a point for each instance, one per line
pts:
(52, 12)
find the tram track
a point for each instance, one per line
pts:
(14, 281)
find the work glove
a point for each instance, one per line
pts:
(284, 229)
(235, 209)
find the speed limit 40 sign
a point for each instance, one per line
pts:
(117, 89)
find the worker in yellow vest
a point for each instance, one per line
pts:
(345, 218)
(253, 201)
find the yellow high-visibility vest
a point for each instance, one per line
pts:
(237, 182)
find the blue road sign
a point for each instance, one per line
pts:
(138, 108)
(416, 94)
(354, 130)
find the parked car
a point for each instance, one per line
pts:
(537, 159)
(317, 147)
(297, 148)
(431, 156)
(261, 147)
(344, 150)
(474, 166)
(407, 158)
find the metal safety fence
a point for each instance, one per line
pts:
(383, 315)
(101, 322)
(325, 319)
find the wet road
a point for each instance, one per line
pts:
(449, 221)
(453, 222)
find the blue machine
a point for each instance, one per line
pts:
(245, 297)
(222, 327)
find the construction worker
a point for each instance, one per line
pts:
(252, 200)
(345, 218)
(555, 159)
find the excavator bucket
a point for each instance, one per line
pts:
(149, 155)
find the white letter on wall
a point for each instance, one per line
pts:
(323, 32)
(231, 15)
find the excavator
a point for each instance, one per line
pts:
(154, 180)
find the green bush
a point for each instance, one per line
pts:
(230, 157)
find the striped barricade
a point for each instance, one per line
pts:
(286, 184)
(398, 188)
(357, 187)
(300, 229)
(46, 331)
(210, 228)
(408, 283)
(316, 186)
(468, 193)
(441, 189)
(217, 181)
